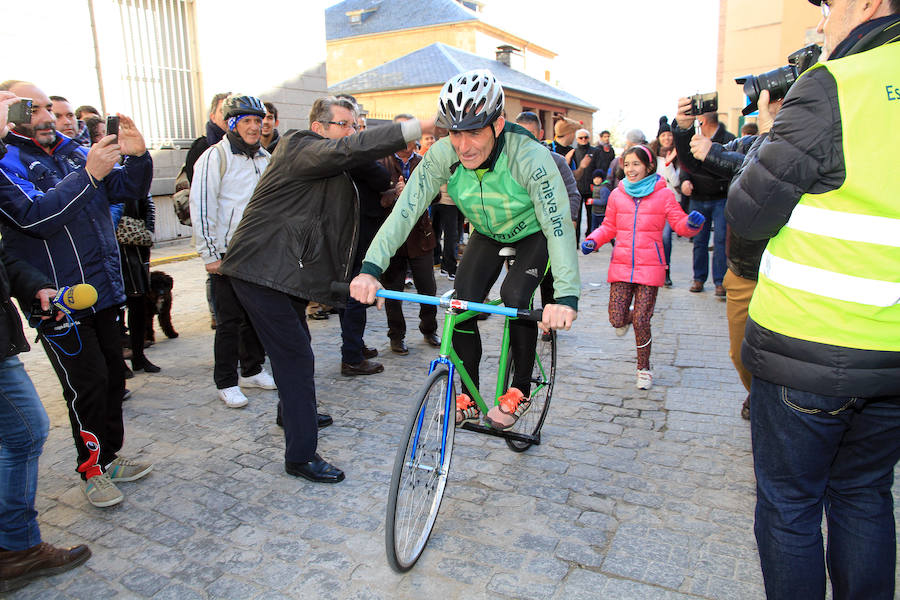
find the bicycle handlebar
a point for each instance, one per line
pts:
(340, 288)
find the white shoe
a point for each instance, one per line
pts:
(261, 380)
(644, 379)
(233, 397)
(621, 331)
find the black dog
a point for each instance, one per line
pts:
(159, 302)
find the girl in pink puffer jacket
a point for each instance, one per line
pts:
(636, 213)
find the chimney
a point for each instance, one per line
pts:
(504, 52)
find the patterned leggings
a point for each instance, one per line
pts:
(620, 314)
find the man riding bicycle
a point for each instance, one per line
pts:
(508, 187)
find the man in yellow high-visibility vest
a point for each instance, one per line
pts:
(823, 337)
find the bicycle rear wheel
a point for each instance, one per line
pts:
(420, 472)
(543, 376)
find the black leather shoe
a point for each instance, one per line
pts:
(322, 420)
(366, 367)
(369, 352)
(433, 340)
(142, 364)
(318, 470)
(399, 347)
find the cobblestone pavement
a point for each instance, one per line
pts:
(633, 494)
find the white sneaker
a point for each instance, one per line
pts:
(621, 331)
(233, 397)
(261, 380)
(644, 379)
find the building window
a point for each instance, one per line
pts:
(146, 59)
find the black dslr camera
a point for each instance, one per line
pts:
(778, 81)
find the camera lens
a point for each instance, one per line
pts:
(777, 81)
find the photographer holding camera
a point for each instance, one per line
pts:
(707, 191)
(823, 334)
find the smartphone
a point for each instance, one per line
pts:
(20, 112)
(112, 125)
(704, 103)
(37, 311)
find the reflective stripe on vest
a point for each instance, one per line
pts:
(832, 274)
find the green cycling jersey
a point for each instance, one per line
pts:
(522, 193)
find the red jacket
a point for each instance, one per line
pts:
(637, 227)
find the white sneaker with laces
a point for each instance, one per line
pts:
(233, 397)
(644, 379)
(261, 380)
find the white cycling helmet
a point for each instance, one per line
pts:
(470, 100)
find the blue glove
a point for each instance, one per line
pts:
(588, 246)
(696, 220)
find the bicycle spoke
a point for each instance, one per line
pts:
(418, 483)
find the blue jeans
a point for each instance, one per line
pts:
(23, 428)
(813, 453)
(597, 216)
(714, 211)
(667, 244)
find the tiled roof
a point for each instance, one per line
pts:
(391, 15)
(435, 64)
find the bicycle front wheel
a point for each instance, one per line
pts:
(420, 472)
(543, 375)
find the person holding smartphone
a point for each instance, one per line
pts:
(55, 198)
(23, 425)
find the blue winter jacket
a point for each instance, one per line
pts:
(53, 217)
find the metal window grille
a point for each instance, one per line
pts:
(153, 67)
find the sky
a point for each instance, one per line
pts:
(632, 59)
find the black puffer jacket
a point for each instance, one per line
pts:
(583, 176)
(17, 278)
(708, 185)
(743, 254)
(371, 179)
(804, 153)
(300, 229)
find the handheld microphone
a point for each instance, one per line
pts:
(68, 298)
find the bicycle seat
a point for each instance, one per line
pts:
(507, 251)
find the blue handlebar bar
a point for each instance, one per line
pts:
(343, 289)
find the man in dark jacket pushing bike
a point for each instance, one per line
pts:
(298, 234)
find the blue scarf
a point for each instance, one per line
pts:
(641, 188)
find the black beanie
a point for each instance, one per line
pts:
(663, 125)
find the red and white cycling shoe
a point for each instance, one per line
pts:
(513, 404)
(466, 410)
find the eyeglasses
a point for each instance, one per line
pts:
(826, 8)
(343, 124)
(583, 137)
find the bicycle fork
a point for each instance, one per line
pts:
(449, 409)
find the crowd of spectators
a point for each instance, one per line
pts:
(75, 207)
